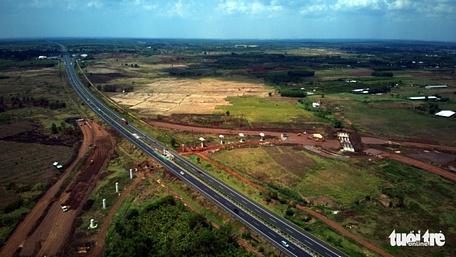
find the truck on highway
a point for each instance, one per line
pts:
(124, 121)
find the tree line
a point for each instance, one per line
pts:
(20, 102)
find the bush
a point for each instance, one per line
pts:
(301, 73)
(292, 92)
(17, 204)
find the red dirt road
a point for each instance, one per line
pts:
(293, 138)
(44, 231)
(329, 144)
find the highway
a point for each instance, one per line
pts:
(271, 226)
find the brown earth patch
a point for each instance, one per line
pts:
(167, 96)
(44, 231)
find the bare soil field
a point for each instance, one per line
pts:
(169, 96)
(44, 231)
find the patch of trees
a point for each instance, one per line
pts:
(301, 73)
(109, 88)
(65, 129)
(295, 76)
(168, 228)
(16, 204)
(382, 74)
(386, 68)
(292, 92)
(22, 55)
(132, 65)
(430, 108)
(19, 102)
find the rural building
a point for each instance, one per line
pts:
(360, 91)
(445, 113)
(422, 98)
(436, 86)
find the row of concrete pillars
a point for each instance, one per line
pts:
(92, 222)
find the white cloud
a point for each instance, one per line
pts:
(398, 4)
(435, 8)
(95, 4)
(247, 7)
(357, 4)
(315, 8)
(178, 9)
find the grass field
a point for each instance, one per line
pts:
(417, 200)
(256, 109)
(381, 117)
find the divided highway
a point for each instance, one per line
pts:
(290, 239)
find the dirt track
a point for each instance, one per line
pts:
(44, 231)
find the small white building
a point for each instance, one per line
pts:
(445, 113)
(436, 86)
(422, 98)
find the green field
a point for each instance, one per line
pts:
(417, 200)
(256, 109)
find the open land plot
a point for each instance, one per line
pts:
(308, 174)
(29, 163)
(395, 118)
(372, 197)
(334, 74)
(168, 96)
(275, 109)
(266, 164)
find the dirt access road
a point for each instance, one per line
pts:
(44, 231)
(330, 144)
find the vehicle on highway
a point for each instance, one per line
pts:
(182, 173)
(236, 211)
(124, 121)
(284, 243)
(200, 172)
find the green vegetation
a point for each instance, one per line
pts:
(256, 109)
(167, 228)
(376, 197)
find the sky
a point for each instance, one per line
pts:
(428, 20)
